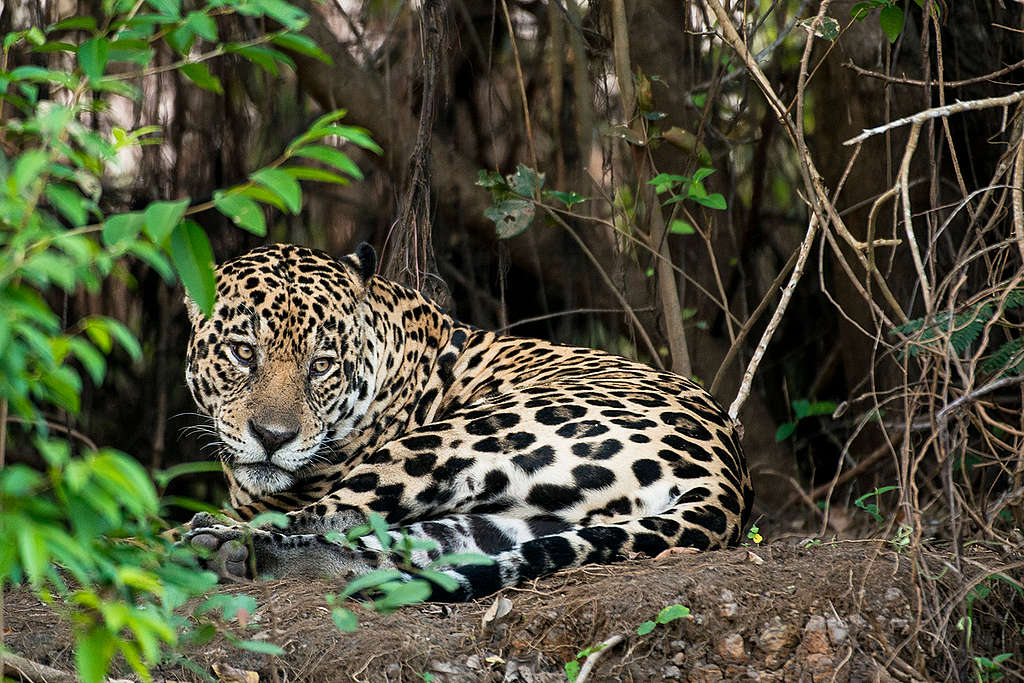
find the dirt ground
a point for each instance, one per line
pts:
(846, 611)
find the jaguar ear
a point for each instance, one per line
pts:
(365, 261)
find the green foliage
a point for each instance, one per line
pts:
(668, 614)
(687, 188)
(869, 501)
(890, 18)
(802, 408)
(84, 533)
(386, 590)
(963, 329)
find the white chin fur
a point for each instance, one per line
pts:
(262, 479)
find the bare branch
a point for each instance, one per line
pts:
(955, 108)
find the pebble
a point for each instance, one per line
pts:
(732, 649)
(837, 630)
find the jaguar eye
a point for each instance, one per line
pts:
(321, 366)
(243, 352)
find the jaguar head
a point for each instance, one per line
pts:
(278, 366)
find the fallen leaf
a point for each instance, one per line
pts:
(229, 674)
(675, 550)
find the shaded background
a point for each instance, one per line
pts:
(439, 85)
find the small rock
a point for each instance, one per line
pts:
(705, 673)
(893, 594)
(672, 671)
(729, 610)
(857, 620)
(732, 649)
(679, 658)
(837, 630)
(727, 595)
(777, 638)
(900, 626)
(815, 638)
(820, 666)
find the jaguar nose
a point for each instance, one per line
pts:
(271, 438)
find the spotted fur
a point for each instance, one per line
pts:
(336, 393)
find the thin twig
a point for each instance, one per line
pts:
(780, 310)
(522, 84)
(75, 434)
(933, 84)
(950, 109)
(591, 660)
(655, 358)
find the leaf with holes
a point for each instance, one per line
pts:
(511, 216)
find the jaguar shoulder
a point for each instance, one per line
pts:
(335, 393)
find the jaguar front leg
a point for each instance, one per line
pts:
(240, 552)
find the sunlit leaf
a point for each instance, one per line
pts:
(193, 259)
(244, 212)
(281, 184)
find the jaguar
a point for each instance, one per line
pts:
(339, 398)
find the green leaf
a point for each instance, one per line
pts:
(511, 216)
(93, 651)
(331, 157)
(156, 260)
(344, 619)
(32, 551)
(261, 194)
(354, 134)
(163, 217)
(91, 359)
(680, 227)
(371, 580)
(702, 173)
(645, 628)
(270, 518)
(328, 118)
(443, 580)
(891, 21)
(316, 174)
(122, 334)
(203, 25)
(261, 646)
(526, 181)
(83, 23)
(29, 167)
(472, 559)
(671, 613)
(399, 593)
(244, 212)
(712, 201)
(304, 45)
(570, 199)
(170, 8)
(283, 12)
(281, 184)
(264, 57)
(784, 431)
(122, 229)
(801, 408)
(193, 259)
(199, 73)
(67, 200)
(572, 671)
(92, 56)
